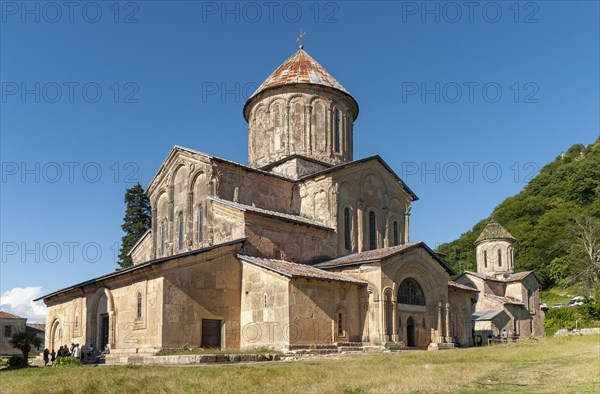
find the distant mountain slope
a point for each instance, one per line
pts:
(542, 217)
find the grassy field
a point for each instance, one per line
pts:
(554, 365)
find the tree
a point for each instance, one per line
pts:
(24, 341)
(138, 218)
(586, 252)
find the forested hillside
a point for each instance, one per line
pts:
(556, 220)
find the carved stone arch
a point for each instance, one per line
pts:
(158, 195)
(54, 336)
(295, 97)
(263, 106)
(422, 277)
(94, 317)
(314, 98)
(194, 177)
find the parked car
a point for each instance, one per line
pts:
(576, 301)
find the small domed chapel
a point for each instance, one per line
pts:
(303, 247)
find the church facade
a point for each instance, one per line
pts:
(303, 246)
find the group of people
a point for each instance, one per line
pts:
(74, 351)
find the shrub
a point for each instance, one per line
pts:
(66, 361)
(15, 361)
(590, 310)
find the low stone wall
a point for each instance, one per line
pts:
(190, 359)
(582, 331)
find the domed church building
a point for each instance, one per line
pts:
(302, 248)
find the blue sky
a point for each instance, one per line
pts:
(465, 103)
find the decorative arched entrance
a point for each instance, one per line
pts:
(102, 316)
(55, 335)
(410, 332)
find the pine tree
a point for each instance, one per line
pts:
(138, 218)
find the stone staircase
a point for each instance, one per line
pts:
(344, 347)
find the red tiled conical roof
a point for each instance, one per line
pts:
(300, 68)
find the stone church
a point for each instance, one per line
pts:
(302, 247)
(505, 300)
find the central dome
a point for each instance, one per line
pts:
(300, 110)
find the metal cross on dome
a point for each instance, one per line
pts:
(300, 37)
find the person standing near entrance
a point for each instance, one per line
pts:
(46, 356)
(75, 353)
(52, 356)
(504, 335)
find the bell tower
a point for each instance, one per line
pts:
(300, 110)
(494, 251)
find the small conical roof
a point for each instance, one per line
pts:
(494, 230)
(300, 68)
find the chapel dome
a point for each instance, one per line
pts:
(300, 69)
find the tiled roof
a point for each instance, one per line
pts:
(6, 315)
(140, 266)
(35, 327)
(376, 255)
(512, 278)
(300, 68)
(503, 300)
(494, 230)
(486, 315)
(266, 212)
(461, 286)
(367, 256)
(296, 270)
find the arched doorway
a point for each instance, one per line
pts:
(410, 332)
(55, 335)
(100, 321)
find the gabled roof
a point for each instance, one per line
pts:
(139, 241)
(296, 270)
(503, 300)
(494, 230)
(339, 167)
(178, 148)
(140, 266)
(274, 214)
(358, 162)
(519, 276)
(300, 69)
(6, 315)
(377, 255)
(461, 286)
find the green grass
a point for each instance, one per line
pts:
(553, 365)
(555, 296)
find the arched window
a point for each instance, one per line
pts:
(347, 229)
(76, 321)
(139, 305)
(180, 240)
(265, 300)
(372, 230)
(162, 239)
(410, 292)
(499, 258)
(485, 258)
(396, 230)
(336, 131)
(200, 223)
(340, 324)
